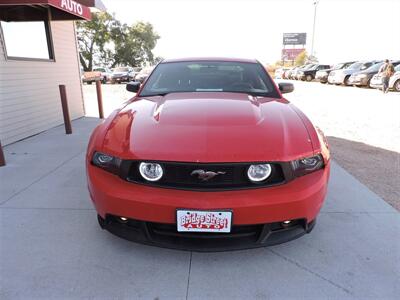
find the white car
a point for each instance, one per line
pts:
(279, 72)
(394, 81)
(105, 73)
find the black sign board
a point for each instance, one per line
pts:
(294, 38)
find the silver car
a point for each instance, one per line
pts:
(342, 76)
(394, 81)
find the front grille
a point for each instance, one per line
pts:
(178, 175)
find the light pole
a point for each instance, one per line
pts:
(315, 3)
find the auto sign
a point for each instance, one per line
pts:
(203, 221)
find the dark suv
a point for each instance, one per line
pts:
(310, 73)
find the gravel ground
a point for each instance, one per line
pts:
(362, 126)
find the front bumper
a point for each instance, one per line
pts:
(240, 237)
(120, 79)
(321, 78)
(336, 79)
(376, 83)
(299, 199)
(358, 81)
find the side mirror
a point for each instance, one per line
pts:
(133, 86)
(286, 87)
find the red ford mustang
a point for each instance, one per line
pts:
(208, 156)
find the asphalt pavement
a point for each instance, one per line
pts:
(51, 246)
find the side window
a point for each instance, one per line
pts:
(28, 40)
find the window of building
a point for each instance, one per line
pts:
(28, 40)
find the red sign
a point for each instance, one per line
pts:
(291, 54)
(72, 7)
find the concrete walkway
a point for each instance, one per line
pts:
(51, 246)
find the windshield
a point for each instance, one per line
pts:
(346, 65)
(308, 67)
(123, 69)
(339, 66)
(375, 67)
(210, 76)
(397, 68)
(356, 66)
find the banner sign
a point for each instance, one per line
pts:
(291, 54)
(294, 38)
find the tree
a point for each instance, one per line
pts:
(92, 38)
(301, 58)
(106, 41)
(134, 44)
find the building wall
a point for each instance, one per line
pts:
(29, 94)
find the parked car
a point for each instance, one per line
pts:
(322, 75)
(285, 74)
(342, 76)
(394, 81)
(309, 74)
(279, 72)
(297, 74)
(363, 78)
(290, 73)
(120, 74)
(133, 72)
(105, 75)
(143, 74)
(168, 169)
(91, 76)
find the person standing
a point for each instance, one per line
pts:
(386, 71)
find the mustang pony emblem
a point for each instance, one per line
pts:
(206, 175)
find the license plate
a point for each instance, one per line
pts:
(203, 221)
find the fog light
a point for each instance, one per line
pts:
(286, 222)
(123, 219)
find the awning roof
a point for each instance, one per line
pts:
(34, 10)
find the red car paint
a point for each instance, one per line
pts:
(208, 127)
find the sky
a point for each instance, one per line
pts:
(345, 29)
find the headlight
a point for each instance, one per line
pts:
(151, 171)
(257, 173)
(106, 162)
(307, 165)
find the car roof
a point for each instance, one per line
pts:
(228, 59)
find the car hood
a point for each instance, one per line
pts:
(208, 127)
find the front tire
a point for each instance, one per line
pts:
(396, 85)
(309, 78)
(346, 81)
